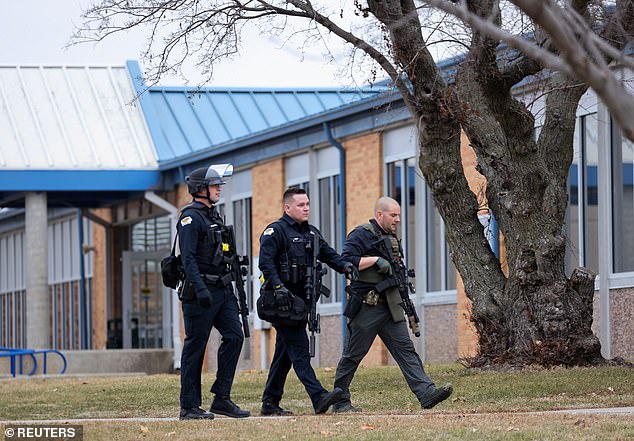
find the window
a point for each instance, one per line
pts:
(152, 234)
(582, 217)
(242, 228)
(440, 271)
(329, 225)
(572, 227)
(591, 185)
(12, 291)
(622, 203)
(406, 228)
(65, 278)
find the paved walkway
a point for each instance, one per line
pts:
(626, 411)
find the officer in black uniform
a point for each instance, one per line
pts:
(207, 296)
(283, 243)
(370, 313)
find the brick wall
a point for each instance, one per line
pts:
(99, 277)
(268, 184)
(364, 185)
(364, 177)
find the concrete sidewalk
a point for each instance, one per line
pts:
(624, 411)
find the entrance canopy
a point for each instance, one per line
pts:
(72, 131)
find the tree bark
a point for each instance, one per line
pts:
(535, 314)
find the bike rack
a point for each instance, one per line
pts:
(17, 354)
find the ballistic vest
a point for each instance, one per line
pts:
(372, 275)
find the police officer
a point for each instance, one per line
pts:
(283, 262)
(207, 297)
(370, 314)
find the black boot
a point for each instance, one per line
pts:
(344, 406)
(327, 400)
(439, 395)
(195, 414)
(224, 406)
(271, 408)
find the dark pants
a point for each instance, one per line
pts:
(363, 329)
(291, 349)
(223, 314)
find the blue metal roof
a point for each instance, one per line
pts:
(186, 120)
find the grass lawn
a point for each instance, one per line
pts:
(484, 406)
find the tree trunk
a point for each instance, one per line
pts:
(533, 314)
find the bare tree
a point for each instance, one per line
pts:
(534, 313)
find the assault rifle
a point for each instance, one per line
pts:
(314, 288)
(238, 265)
(400, 278)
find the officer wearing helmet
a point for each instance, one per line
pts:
(207, 297)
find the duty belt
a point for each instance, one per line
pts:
(218, 279)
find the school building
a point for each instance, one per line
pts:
(91, 181)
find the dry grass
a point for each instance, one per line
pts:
(485, 405)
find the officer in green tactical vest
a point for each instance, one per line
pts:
(374, 307)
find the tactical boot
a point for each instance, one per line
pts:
(438, 395)
(344, 406)
(270, 408)
(327, 400)
(195, 414)
(224, 406)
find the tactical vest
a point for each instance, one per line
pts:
(215, 240)
(294, 257)
(372, 275)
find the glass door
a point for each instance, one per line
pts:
(147, 312)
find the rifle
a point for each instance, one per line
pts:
(401, 279)
(314, 274)
(238, 265)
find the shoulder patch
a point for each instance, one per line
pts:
(186, 221)
(269, 231)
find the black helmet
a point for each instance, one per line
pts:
(200, 178)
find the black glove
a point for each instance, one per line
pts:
(383, 266)
(351, 272)
(204, 299)
(282, 298)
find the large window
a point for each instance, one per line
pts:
(12, 291)
(329, 225)
(242, 228)
(622, 203)
(65, 279)
(440, 271)
(582, 216)
(152, 234)
(396, 182)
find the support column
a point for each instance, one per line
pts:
(38, 331)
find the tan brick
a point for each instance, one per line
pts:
(268, 185)
(364, 185)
